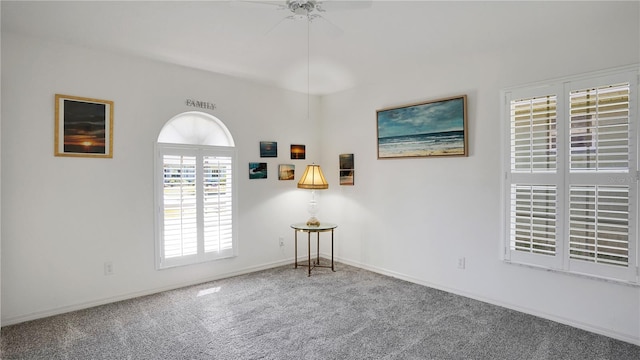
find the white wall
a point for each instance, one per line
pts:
(64, 217)
(413, 218)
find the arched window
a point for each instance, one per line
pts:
(195, 192)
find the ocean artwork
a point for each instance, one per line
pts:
(257, 170)
(435, 128)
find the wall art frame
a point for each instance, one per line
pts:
(268, 149)
(432, 128)
(347, 169)
(257, 170)
(298, 152)
(286, 172)
(83, 127)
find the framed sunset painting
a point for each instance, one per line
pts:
(298, 152)
(84, 127)
(268, 149)
(427, 129)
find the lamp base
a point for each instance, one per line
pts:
(313, 221)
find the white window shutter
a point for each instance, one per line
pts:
(533, 135)
(571, 189)
(180, 210)
(599, 224)
(218, 204)
(599, 123)
(533, 218)
(602, 182)
(196, 204)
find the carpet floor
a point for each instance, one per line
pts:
(280, 313)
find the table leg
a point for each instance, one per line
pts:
(295, 260)
(318, 247)
(332, 268)
(309, 250)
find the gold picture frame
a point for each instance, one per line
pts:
(84, 127)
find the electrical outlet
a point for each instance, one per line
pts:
(461, 262)
(281, 241)
(108, 268)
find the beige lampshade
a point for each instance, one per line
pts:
(313, 179)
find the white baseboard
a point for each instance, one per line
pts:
(515, 307)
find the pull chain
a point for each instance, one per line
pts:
(308, 66)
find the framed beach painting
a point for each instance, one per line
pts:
(84, 127)
(427, 129)
(286, 171)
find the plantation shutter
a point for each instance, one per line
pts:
(533, 135)
(602, 179)
(599, 224)
(572, 176)
(195, 204)
(218, 205)
(535, 193)
(599, 121)
(180, 208)
(533, 218)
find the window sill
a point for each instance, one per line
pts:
(575, 274)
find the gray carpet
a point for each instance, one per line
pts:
(282, 314)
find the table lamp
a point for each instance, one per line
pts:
(313, 179)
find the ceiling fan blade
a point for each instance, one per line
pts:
(329, 5)
(258, 4)
(286, 18)
(333, 29)
(328, 27)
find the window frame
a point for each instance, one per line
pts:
(564, 177)
(199, 151)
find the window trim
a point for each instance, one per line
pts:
(562, 262)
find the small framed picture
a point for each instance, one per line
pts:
(286, 172)
(84, 127)
(346, 169)
(257, 170)
(268, 149)
(298, 152)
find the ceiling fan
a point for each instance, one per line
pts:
(302, 9)
(309, 9)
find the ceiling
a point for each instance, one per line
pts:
(349, 46)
